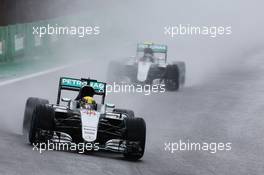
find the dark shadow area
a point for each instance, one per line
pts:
(16, 11)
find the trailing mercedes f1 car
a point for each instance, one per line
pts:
(148, 68)
(82, 120)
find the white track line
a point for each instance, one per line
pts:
(7, 82)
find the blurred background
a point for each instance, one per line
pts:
(124, 23)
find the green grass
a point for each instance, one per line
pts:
(27, 65)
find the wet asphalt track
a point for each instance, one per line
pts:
(227, 108)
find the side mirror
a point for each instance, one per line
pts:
(108, 105)
(66, 100)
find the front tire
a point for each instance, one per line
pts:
(42, 124)
(136, 137)
(31, 103)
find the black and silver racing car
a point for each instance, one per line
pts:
(141, 70)
(107, 127)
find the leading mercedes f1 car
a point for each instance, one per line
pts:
(148, 68)
(112, 129)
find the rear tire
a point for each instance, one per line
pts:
(172, 78)
(182, 69)
(42, 119)
(135, 132)
(31, 103)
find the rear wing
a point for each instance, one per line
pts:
(157, 48)
(73, 84)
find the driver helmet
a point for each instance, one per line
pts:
(148, 52)
(89, 102)
(148, 55)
